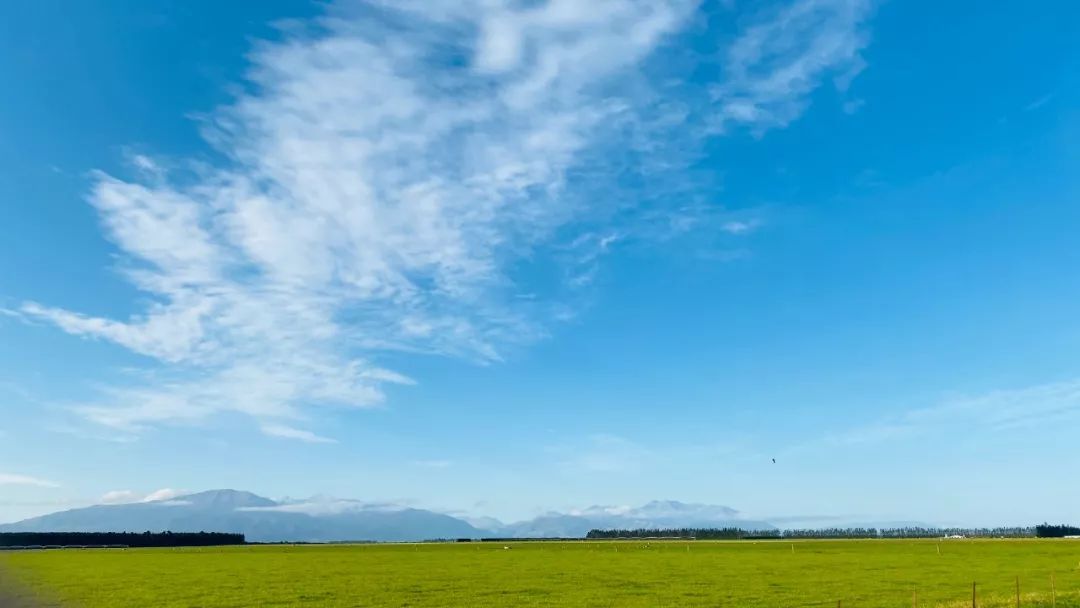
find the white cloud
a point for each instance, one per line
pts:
(380, 177)
(287, 432)
(121, 497)
(774, 65)
(11, 479)
(370, 205)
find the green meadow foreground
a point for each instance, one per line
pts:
(701, 573)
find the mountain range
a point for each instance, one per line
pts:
(328, 520)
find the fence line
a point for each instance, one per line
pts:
(977, 598)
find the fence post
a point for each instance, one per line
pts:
(974, 604)
(1017, 592)
(1053, 592)
(914, 598)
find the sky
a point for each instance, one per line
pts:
(501, 258)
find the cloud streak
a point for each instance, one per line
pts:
(11, 479)
(1000, 410)
(282, 431)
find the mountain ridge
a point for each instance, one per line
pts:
(323, 519)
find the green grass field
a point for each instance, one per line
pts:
(675, 574)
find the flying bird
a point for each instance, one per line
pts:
(774, 461)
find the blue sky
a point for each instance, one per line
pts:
(502, 258)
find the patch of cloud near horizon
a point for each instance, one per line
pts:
(12, 479)
(122, 497)
(323, 505)
(381, 174)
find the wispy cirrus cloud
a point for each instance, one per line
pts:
(787, 53)
(1000, 410)
(382, 175)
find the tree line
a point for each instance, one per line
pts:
(688, 533)
(1041, 531)
(125, 539)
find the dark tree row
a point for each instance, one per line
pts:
(826, 533)
(128, 539)
(1051, 531)
(912, 532)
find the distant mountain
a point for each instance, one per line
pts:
(259, 519)
(656, 514)
(328, 519)
(218, 500)
(489, 524)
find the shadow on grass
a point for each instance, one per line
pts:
(15, 595)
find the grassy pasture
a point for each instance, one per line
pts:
(674, 574)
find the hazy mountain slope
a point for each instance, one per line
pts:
(260, 519)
